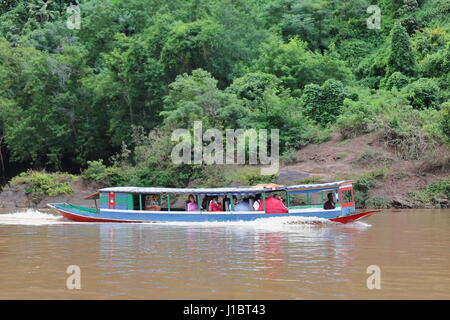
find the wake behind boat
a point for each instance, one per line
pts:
(153, 204)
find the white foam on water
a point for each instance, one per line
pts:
(30, 217)
(34, 217)
(282, 223)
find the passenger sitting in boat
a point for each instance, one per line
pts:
(274, 205)
(191, 204)
(227, 205)
(243, 205)
(215, 205)
(205, 202)
(257, 202)
(330, 203)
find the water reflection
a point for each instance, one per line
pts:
(267, 259)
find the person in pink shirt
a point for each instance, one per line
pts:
(191, 204)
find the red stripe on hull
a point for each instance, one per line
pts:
(75, 217)
(354, 217)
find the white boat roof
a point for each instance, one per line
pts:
(232, 191)
(319, 186)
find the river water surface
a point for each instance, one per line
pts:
(276, 258)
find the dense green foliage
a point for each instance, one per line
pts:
(39, 185)
(108, 96)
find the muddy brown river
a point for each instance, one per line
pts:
(44, 256)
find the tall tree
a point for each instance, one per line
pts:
(401, 56)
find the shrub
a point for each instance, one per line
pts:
(41, 184)
(356, 119)
(397, 80)
(432, 193)
(323, 103)
(445, 121)
(289, 156)
(254, 179)
(410, 143)
(376, 202)
(373, 157)
(310, 180)
(423, 93)
(98, 172)
(363, 185)
(436, 64)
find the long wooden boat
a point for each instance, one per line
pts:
(142, 204)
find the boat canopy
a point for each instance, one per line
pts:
(306, 188)
(199, 191)
(301, 188)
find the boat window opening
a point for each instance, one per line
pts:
(315, 200)
(151, 203)
(347, 196)
(297, 200)
(137, 202)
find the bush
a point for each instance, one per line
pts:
(357, 119)
(289, 156)
(41, 184)
(363, 185)
(373, 157)
(254, 179)
(376, 203)
(436, 64)
(440, 188)
(98, 172)
(423, 93)
(409, 142)
(432, 194)
(397, 80)
(323, 103)
(445, 121)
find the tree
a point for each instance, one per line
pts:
(401, 56)
(41, 10)
(309, 20)
(130, 88)
(252, 85)
(423, 93)
(323, 103)
(197, 97)
(297, 66)
(194, 45)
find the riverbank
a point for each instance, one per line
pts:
(35, 189)
(383, 178)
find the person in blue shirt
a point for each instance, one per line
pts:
(243, 205)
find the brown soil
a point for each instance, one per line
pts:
(336, 159)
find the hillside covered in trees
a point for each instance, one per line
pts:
(104, 99)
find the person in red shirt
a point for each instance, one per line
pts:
(215, 205)
(330, 203)
(273, 205)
